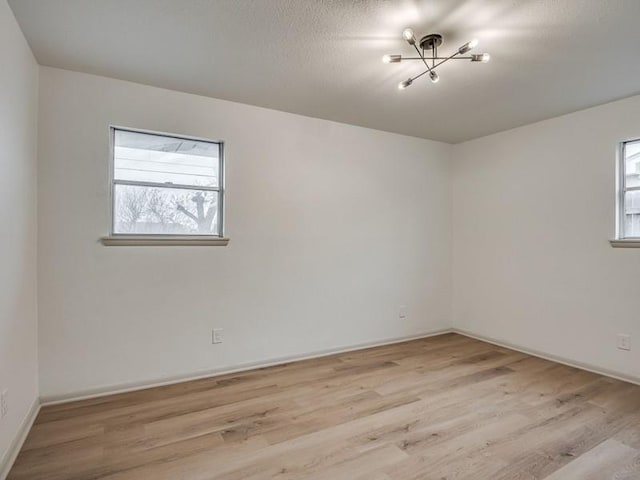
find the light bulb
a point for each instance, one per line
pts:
(481, 57)
(433, 75)
(407, 34)
(405, 84)
(468, 46)
(392, 58)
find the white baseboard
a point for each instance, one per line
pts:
(159, 382)
(6, 462)
(547, 356)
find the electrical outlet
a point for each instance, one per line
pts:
(624, 341)
(4, 405)
(216, 335)
(402, 311)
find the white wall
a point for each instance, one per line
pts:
(18, 312)
(533, 212)
(332, 228)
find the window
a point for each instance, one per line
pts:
(166, 185)
(629, 190)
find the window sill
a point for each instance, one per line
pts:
(169, 241)
(625, 243)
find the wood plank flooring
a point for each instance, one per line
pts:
(445, 407)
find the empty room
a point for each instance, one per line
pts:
(320, 240)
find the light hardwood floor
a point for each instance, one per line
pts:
(446, 407)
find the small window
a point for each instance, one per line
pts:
(165, 185)
(629, 190)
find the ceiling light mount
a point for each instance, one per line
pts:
(430, 43)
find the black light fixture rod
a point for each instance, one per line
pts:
(423, 60)
(445, 59)
(435, 58)
(418, 76)
(448, 58)
(434, 54)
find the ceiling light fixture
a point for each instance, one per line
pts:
(433, 61)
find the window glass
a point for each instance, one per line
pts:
(166, 185)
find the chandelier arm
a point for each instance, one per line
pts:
(436, 58)
(423, 59)
(434, 54)
(447, 59)
(436, 65)
(418, 76)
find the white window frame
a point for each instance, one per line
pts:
(621, 238)
(139, 239)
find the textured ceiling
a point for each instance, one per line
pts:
(322, 58)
